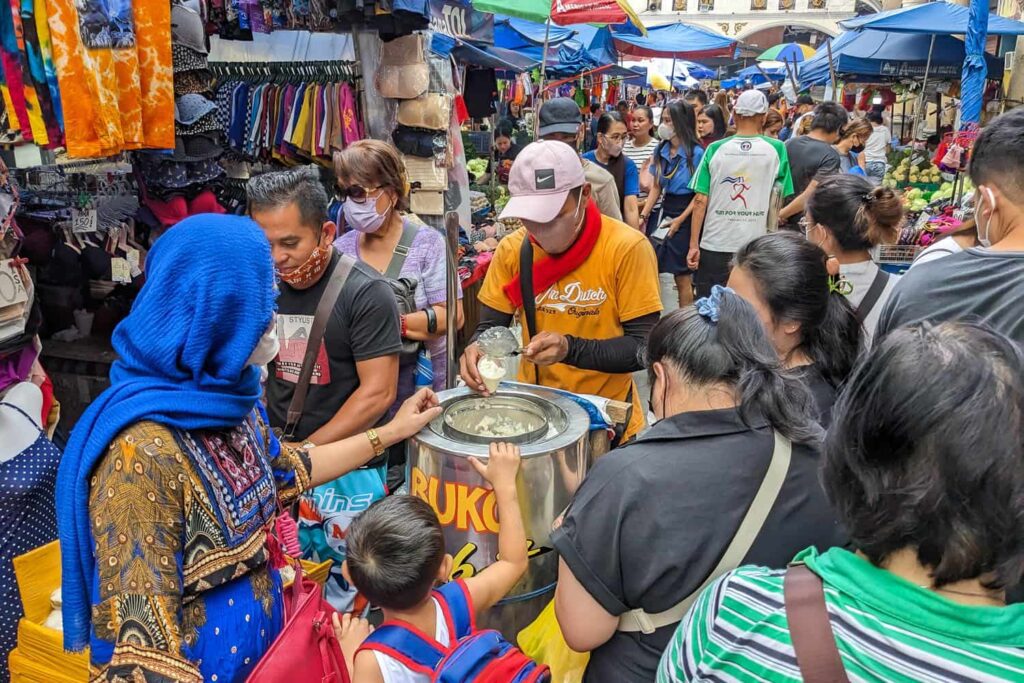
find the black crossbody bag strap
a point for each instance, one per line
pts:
(874, 294)
(529, 298)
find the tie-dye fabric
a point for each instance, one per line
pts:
(113, 64)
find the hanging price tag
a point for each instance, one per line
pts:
(133, 261)
(84, 220)
(120, 271)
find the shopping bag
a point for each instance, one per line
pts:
(543, 642)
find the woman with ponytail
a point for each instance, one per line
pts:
(848, 217)
(652, 520)
(810, 323)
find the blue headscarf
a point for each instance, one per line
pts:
(183, 362)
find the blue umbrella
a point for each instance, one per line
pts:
(972, 80)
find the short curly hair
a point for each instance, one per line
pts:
(925, 453)
(372, 163)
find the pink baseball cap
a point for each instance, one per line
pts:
(540, 180)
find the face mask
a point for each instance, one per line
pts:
(266, 348)
(364, 217)
(613, 149)
(983, 232)
(309, 272)
(666, 131)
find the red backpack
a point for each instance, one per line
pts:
(473, 656)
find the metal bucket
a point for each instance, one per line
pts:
(555, 459)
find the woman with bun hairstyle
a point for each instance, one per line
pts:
(847, 216)
(811, 325)
(652, 520)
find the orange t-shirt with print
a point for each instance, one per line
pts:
(617, 283)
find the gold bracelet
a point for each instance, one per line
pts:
(378, 445)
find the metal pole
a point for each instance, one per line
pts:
(451, 228)
(832, 71)
(672, 78)
(922, 101)
(543, 78)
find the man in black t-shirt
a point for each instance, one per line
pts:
(355, 379)
(356, 376)
(812, 157)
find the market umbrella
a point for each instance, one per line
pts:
(972, 80)
(786, 52)
(675, 41)
(564, 12)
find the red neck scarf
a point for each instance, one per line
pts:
(552, 268)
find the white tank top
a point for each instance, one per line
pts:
(394, 671)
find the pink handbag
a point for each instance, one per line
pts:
(306, 650)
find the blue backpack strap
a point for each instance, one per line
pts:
(407, 645)
(457, 606)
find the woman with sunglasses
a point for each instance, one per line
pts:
(372, 177)
(848, 217)
(675, 159)
(611, 139)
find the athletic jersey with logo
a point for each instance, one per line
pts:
(737, 174)
(617, 283)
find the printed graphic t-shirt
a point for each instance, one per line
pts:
(364, 325)
(737, 174)
(616, 284)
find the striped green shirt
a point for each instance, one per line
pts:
(886, 629)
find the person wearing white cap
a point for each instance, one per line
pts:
(734, 188)
(591, 295)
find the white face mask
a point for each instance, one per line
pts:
(614, 149)
(983, 233)
(666, 131)
(266, 348)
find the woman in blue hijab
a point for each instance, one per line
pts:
(172, 480)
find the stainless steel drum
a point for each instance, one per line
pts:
(552, 432)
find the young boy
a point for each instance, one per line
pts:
(396, 555)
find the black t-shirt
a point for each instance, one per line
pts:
(823, 392)
(809, 159)
(975, 285)
(364, 325)
(652, 519)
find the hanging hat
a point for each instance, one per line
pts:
(190, 108)
(187, 29)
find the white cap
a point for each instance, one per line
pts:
(751, 103)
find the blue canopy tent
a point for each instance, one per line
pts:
(477, 54)
(875, 56)
(525, 36)
(597, 41)
(676, 41)
(697, 70)
(940, 18)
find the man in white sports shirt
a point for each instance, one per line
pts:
(734, 185)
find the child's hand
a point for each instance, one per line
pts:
(351, 632)
(502, 465)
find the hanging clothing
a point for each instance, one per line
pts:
(27, 520)
(480, 92)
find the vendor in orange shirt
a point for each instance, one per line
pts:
(594, 284)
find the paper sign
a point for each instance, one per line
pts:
(120, 271)
(83, 221)
(132, 256)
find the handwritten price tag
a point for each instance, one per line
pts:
(83, 221)
(120, 271)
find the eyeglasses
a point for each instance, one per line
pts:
(806, 224)
(356, 193)
(618, 137)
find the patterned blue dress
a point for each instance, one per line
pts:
(27, 521)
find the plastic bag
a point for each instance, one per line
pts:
(543, 642)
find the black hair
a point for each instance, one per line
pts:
(997, 153)
(792, 277)
(735, 351)
(505, 129)
(649, 113)
(774, 98)
(684, 123)
(829, 117)
(616, 166)
(696, 94)
(875, 116)
(594, 108)
(394, 551)
(622, 103)
(717, 116)
(858, 214)
(925, 451)
(301, 185)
